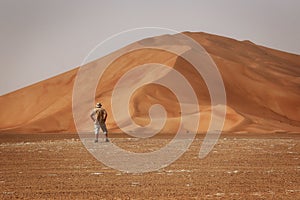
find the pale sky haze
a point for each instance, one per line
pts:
(43, 38)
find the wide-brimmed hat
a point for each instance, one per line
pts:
(98, 105)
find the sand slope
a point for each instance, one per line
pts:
(262, 88)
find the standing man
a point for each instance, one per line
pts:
(99, 116)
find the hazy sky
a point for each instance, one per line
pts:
(43, 38)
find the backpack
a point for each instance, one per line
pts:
(99, 114)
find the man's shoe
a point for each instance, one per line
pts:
(106, 140)
(96, 141)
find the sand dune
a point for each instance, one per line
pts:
(262, 87)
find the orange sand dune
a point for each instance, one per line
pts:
(262, 87)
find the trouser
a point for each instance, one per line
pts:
(102, 126)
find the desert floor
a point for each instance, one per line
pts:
(241, 166)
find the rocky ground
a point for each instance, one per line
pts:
(239, 167)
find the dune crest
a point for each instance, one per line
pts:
(262, 88)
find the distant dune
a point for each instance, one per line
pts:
(262, 87)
